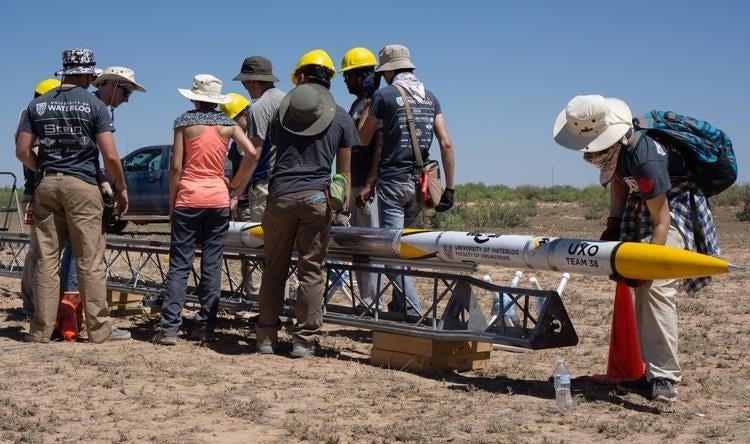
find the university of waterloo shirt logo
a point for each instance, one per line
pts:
(41, 108)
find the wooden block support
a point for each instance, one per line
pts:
(122, 300)
(428, 355)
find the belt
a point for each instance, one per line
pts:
(53, 173)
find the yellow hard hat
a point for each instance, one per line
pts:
(236, 106)
(314, 57)
(358, 58)
(46, 86)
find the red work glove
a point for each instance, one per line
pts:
(612, 232)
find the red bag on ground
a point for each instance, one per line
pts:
(69, 316)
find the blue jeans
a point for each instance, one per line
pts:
(398, 209)
(68, 272)
(365, 217)
(192, 226)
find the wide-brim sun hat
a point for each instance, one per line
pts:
(393, 57)
(118, 73)
(206, 88)
(307, 110)
(592, 123)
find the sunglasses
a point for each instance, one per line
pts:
(127, 90)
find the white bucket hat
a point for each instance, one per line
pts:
(592, 123)
(206, 88)
(119, 73)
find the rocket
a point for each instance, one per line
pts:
(631, 260)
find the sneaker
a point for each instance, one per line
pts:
(265, 346)
(663, 390)
(163, 339)
(302, 349)
(118, 334)
(31, 337)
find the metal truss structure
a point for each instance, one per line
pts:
(454, 298)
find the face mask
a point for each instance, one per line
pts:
(606, 161)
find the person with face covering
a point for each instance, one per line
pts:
(652, 200)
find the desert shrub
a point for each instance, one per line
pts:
(595, 200)
(482, 216)
(737, 194)
(478, 191)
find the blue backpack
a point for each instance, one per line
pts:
(706, 149)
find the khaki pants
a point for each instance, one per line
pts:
(67, 207)
(257, 195)
(656, 317)
(28, 275)
(302, 219)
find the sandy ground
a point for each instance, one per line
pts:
(136, 391)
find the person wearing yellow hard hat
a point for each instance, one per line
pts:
(314, 66)
(309, 131)
(358, 70)
(237, 110)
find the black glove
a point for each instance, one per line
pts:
(341, 219)
(632, 283)
(612, 232)
(446, 200)
(370, 84)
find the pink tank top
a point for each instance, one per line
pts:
(202, 183)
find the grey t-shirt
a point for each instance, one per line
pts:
(66, 123)
(649, 166)
(260, 117)
(397, 158)
(304, 162)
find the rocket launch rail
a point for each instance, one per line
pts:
(456, 306)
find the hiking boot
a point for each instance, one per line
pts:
(202, 335)
(265, 345)
(302, 349)
(118, 334)
(163, 339)
(663, 390)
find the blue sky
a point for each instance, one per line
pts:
(502, 70)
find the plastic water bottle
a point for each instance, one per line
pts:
(496, 304)
(562, 387)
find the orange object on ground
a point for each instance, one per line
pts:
(69, 316)
(624, 362)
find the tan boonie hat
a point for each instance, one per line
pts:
(307, 110)
(206, 88)
(393, 57)
(118, 73)
(592, 123)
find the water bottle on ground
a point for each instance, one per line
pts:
(562, 387)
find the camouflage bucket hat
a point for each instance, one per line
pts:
(77, 61)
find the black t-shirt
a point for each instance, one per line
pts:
(397, 157)
(650, 167)
(66, 123)
(304, 162)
